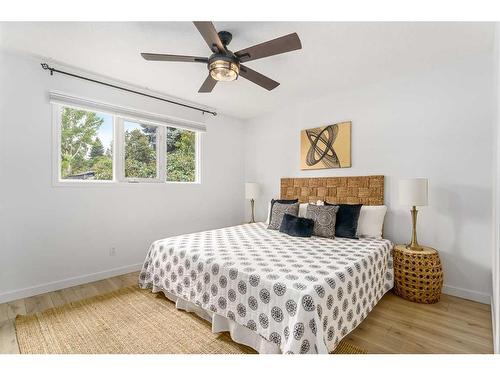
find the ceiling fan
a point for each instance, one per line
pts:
(225, 65)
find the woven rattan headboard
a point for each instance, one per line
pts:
(368, 190)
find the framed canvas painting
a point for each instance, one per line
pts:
(326, 147)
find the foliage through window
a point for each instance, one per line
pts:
(181, 155)
(145, 152)
(140, 150)
(86, 145)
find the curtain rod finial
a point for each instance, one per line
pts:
(46, 66)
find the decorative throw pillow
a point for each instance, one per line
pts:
(278, 210)
(273, 201)
(324, 219)
(371, 221)
(346, 222)
(303, 209)
(297, 226)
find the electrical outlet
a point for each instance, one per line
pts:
(112, 251)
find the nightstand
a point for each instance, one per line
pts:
(418, 275)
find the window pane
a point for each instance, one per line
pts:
(140, 150)
(86, 145)
(181, 155)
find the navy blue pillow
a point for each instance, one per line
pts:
(346, 223)
(297, 226)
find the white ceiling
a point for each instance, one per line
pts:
(334, 56)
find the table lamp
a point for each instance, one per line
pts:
(252, 192)
(413, 192)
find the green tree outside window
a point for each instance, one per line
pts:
(181, 155)
(82, 151)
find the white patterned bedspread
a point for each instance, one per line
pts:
(304, 294)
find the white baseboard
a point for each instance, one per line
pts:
(66, 283)
(467, 294)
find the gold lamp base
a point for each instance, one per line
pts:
(413, 245)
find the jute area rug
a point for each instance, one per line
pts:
(129, 320)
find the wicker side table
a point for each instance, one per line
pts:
(418, 275)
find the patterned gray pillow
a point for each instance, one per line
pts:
(279, 210)
(324, 219)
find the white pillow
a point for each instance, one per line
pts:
(268, 213)
(371, 221)
(303, 209)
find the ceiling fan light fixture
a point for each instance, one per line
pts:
(222, 70)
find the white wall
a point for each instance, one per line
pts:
(436, 124)
(51, 234)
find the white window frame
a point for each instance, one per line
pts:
(119, 150)
(197, 154)
(120, 132)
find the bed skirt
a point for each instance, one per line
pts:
(238, 333)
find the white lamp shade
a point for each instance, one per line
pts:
(413, 192)
(251, 190)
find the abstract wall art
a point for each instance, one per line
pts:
(326, 147)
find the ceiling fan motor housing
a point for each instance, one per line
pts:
(225, 37)
(230, 57)
(224, 65)
(226, 55)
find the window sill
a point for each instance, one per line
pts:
(107, 184)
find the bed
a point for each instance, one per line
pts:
(273, 292)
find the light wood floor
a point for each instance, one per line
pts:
(453, 325)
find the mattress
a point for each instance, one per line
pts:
(303, 295)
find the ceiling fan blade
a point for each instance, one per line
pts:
(258, 78)
(164, 57)
(208, 85)
(287, 43)
(208, 32)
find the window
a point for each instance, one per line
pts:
(141, 156)
(94, 146)
(181, 155)
(86, 145)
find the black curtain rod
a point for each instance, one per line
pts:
(52, 70)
